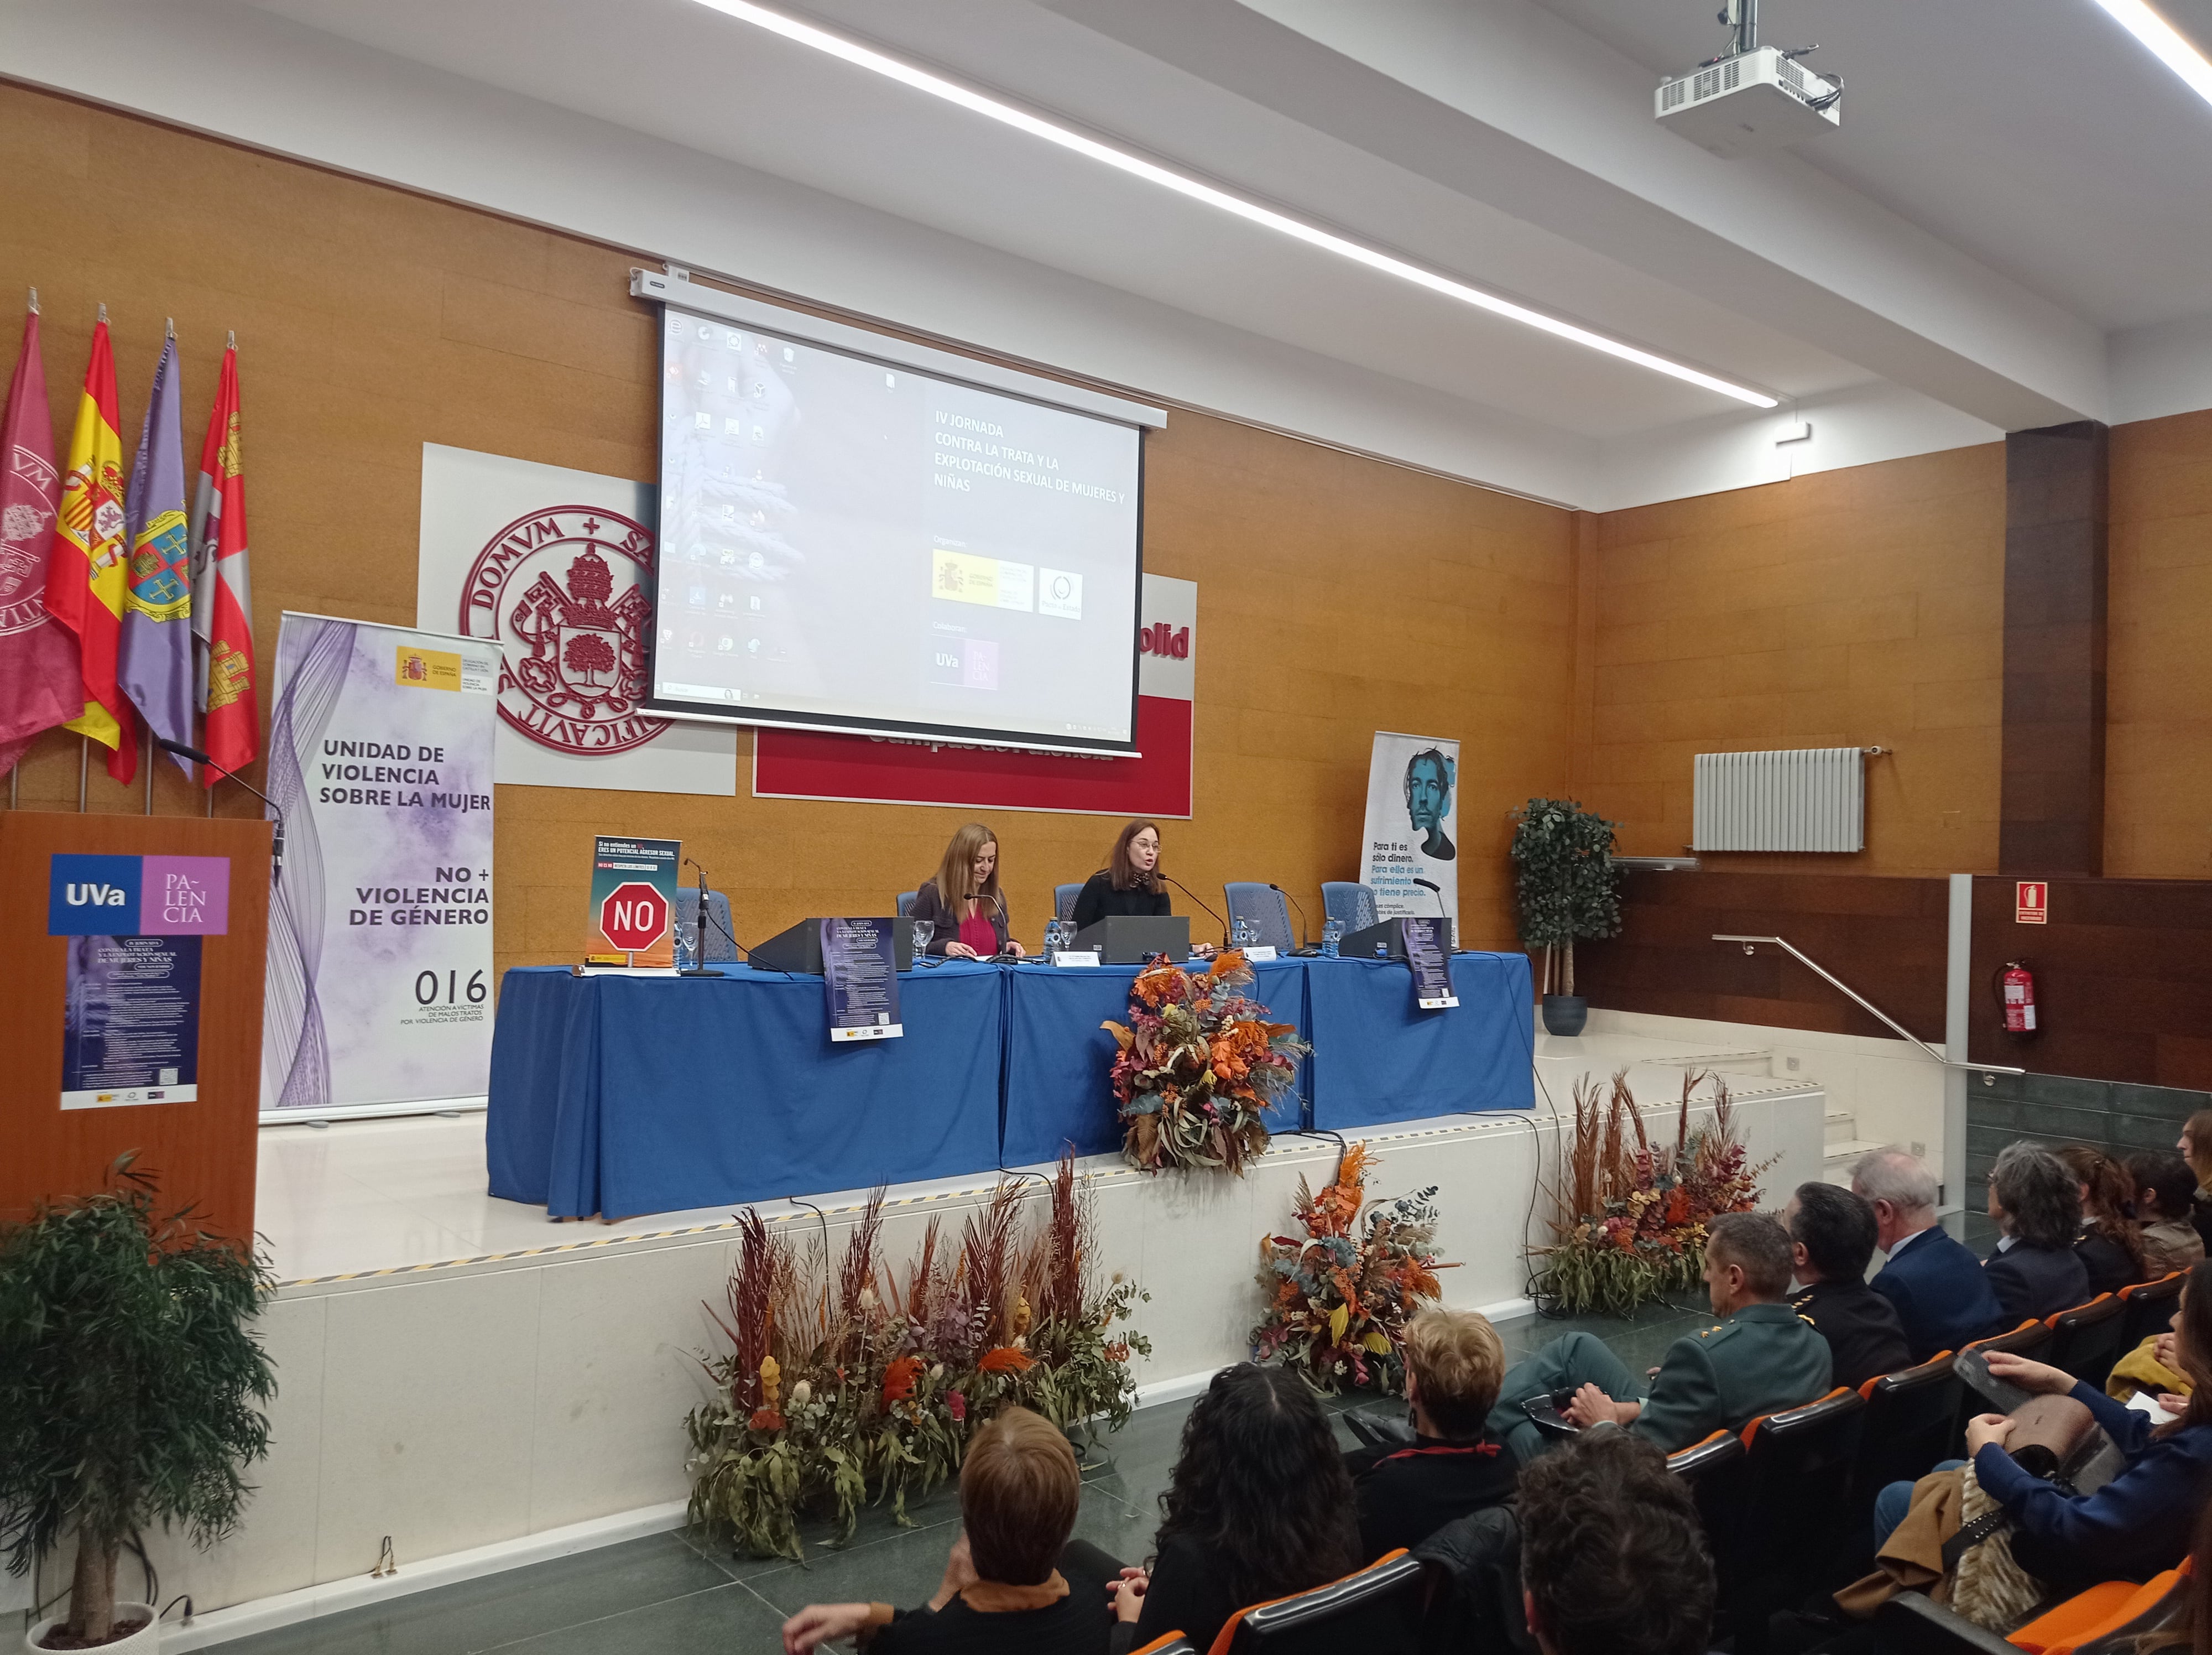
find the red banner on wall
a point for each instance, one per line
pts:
(874, 769)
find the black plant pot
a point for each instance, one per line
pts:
(1564, 1013)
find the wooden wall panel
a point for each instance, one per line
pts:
(2158, 762)
(1338, 595)
(1849, 608)
(2123, 977)
(1883, 935)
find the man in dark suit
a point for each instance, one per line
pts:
(1832, 1235)
(1943, 1295)
(1761, 1358)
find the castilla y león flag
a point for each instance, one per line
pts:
(153, 660)
(38, 681)
(222, 601)
(85, 577)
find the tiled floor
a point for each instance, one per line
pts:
(670, 1592)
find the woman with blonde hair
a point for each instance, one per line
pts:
(963, 903)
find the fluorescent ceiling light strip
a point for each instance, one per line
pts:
(937, 86)
(2166, 43)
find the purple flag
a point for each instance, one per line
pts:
(154, 656)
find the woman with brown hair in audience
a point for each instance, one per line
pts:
(2110, 1242)
(2196, 1147)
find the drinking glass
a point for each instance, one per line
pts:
(923, 930)
(1058, 935)
(1332, 932)
(687, 943)
(1243, 933)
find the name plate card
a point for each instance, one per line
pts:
(859, 979)
(1424, 952)
(1262, 951)
(1075, 957)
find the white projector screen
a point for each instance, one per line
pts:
(854, 544)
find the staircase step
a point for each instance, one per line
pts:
(1839, 1126)
(1844, 1151)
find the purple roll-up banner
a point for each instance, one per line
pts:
(380, 929)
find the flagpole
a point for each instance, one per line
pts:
(149, 769)
(83, 769)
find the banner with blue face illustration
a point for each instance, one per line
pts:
(1410, 855)
(380, 930)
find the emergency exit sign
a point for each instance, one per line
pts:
(2032, 902)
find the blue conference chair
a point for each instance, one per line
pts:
(1264, 907)
(1063, 900)
(1341, 899)
(906, 902)
(716, 945)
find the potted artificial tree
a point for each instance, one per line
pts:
(129, 1374)
(1567, 888)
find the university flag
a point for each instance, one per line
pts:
(153, 657)
(85, 580)
(39, 683)
(222, 600)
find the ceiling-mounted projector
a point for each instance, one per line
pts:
(1751, 99)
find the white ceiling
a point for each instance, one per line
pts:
(2014, 180)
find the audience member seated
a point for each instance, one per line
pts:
(1761, 1358)
(1259, 1506)
(2166, 1192)
(1002, 1594)
(2034, 1270)
(1405, 1492)
(1943, 1296)
(2133, 1526)
(2109, 1244)
(1613, 1560)
(1832, 1236)
(2196, 1147)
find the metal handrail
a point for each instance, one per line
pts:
(1845, 989)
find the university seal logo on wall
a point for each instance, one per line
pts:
(564, 593)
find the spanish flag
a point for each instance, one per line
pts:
(86, 574)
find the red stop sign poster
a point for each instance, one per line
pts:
(634, 899)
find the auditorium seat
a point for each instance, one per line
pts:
(1776, 1518)
(1265, 908)
(1353, 905)
(1168, 1643)
(1063, 900)
(2109, 1617)
(717, 944)
(906, 904)
(2085, 1341)
(1373, 1610)
(1700, 1459)
(1909, 1418)
(1908, 1624)
(2028, 1339)
(2151, 1306)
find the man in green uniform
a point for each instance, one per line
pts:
(1762, 1358)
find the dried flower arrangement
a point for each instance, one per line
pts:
(1339, 1296)
(1196, 1066)
(1629, 1224)
(848, 1385)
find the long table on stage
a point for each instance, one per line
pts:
(619, 1095)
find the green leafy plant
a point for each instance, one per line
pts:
(1565, 882)
(128, 1376)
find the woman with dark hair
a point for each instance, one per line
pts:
(963, 903)
(1259, 1506)
(2109, 1244)
(2037, 1204)
(2166, 1188)
(1130, 882)
(2196, 1147)
(2141, 1521)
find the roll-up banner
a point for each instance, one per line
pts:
(380, 981)
(1411, 855)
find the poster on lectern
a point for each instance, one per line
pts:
(1410, 856)
(379, 986)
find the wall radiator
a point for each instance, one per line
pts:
(1801, 799)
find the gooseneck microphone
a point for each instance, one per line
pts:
(276, 837)
(1303, 927)
(1194, 897)
(699, 967)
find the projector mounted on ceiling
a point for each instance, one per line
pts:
(1752, 98)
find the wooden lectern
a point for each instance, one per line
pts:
(204, 1150)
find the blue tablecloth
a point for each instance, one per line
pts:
(1377, 1057)
(1057, 1056)
(620, 1095)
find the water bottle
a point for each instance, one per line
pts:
(687, 949)
(1332, 932)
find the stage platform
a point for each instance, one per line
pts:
(488, 1388)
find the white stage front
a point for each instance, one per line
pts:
(487, 1388)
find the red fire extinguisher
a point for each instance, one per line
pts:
(2016, 992)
